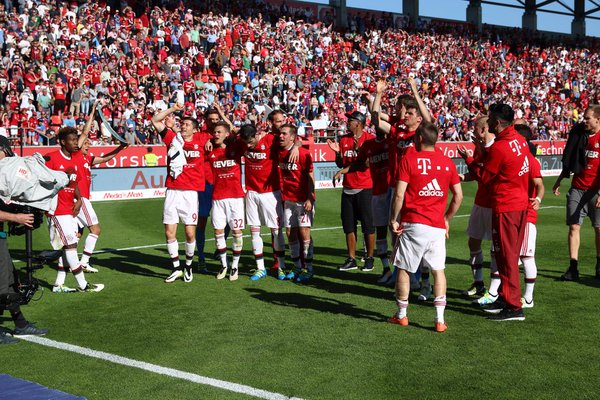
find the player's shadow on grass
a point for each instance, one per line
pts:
(348, 286)
(133, 262)
(305, 301)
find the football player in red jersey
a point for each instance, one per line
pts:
(298, 194)
(505, 171)
(63, 222)
(228, 195)
(263, 194)
(87, 215)
(185, 178)
(480, 220)
(357, 193)
(582, 199)
(421, 219)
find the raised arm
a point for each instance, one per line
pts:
(159, 117)
(109, 156)
(88, 126)
(422, 108)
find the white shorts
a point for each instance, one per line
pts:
(63, 231)
(528, 245)
(420, 243)
(228, 212)
(381, 209)
(294, 215)
(87, 216)
(181, 206)
(264, 209)
(480, 223)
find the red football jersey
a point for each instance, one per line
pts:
(58, 161)
(227, 172)
(205, 137)
(295, 177)
(505, 171)
(349, 147)
(376, 153)
(429, 175)
(84, 173)
(262, 172)
(589, 178)
(192, 176)
(401, 141)
(534, 172)
(482, 196)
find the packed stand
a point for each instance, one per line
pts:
(252, 57)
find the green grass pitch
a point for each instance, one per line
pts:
(324, 340)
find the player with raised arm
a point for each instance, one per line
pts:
(420, 217)
(298, 193)
(228, 196)
(185, 178)
(87, 216)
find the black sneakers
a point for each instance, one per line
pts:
(572, 275)
(6, 338)
(348, 265)
(369, 264)
(30, 329)
(508, 315)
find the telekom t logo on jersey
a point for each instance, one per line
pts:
(424, 165)
(514, 145)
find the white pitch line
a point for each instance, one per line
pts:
(157, 369)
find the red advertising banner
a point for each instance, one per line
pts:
(133, 156)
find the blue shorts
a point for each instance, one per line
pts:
(205, 201)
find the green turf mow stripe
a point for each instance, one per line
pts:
(157, 369)
(149, 246)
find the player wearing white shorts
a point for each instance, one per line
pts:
(419, 204)
(480, 221)
(298, 193)
(263, 195)
(185, 178)
(63, 225)
(536, 194)
(87, 215)
(228, 196)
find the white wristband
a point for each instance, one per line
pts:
(539, 200)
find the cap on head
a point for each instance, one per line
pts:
(358, 116)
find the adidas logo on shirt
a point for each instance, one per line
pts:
(525, 167)
(432, 189)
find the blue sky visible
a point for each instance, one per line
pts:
(457, 9)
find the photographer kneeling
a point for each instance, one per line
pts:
(9, 297)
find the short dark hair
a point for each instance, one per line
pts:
(412, 104)
(502, 112)
(65, 131)
(247, 132)
(293, 129)
(194, 121)
(273, 113)
(403, 99)
(149, 149)
(210, 111)
(428, 133)
(524, 131)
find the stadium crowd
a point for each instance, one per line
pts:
(252, 57)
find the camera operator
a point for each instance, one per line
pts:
(8, 294)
